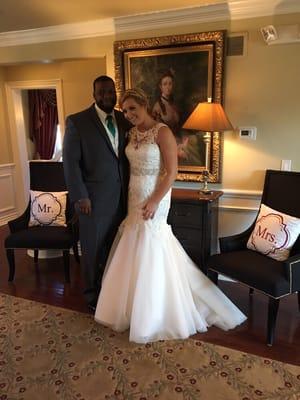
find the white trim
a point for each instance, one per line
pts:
(230, 10)
(239, 200)
(241, 9)
(8, 199)
(171, 18)
(244, 194)
(79, 30)
(4, 220)
(5, 166)
(5, 209)
(5, 176)
(238, 208)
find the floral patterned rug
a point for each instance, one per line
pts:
(50, 353)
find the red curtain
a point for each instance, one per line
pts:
(43, 119)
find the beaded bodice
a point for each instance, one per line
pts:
(146, 171)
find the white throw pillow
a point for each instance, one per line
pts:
(274, 233)
(48, 208)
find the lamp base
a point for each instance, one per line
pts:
(205, 191)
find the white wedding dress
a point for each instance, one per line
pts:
(150, 284)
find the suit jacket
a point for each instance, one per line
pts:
(92, 169)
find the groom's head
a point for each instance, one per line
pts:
(105, 93)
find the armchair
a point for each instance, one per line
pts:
(275, 279)
(46, 176)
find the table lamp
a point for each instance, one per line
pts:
(208, 117)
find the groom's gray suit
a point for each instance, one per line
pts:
(94, 171)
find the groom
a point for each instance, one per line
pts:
(96, 173)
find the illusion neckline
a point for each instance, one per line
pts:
(147, 130)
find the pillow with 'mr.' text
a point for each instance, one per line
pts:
(274, 233)
(48, 208)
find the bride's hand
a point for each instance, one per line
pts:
(149, 209)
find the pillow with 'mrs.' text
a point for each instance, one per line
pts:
(274, 233)
(48, 208)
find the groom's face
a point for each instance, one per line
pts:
(105, 96)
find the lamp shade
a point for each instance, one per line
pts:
(208, 117)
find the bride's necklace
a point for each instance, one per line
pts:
(140, 137)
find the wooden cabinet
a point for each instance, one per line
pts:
(194, 221)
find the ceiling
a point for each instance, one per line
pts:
(31, 14)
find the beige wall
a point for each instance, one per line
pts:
(261, 90)
(77, 77)
(5, 144)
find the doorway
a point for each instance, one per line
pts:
(17, 124)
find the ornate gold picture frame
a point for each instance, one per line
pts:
(193, 66)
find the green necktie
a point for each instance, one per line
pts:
(110, 125)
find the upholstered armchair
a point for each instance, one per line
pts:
(48, 177)
(275, 279)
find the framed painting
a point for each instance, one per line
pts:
(177, 72)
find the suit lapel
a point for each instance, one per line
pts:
(100, 128)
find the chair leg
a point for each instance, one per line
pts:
(272, 315)
(66, 256)
(10, 254)
(36, 255)
(251, 291)
(213, 276)
(76, 253)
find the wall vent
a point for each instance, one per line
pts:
(236, 44)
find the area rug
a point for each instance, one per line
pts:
(50, 353)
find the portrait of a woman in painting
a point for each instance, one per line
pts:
(164, 109)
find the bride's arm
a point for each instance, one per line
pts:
(168, 148)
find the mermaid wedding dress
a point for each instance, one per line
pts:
(150, 284)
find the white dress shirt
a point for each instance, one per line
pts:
(113, 139)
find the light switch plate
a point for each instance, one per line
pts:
(286, 165)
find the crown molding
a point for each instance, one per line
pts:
(229, 10)
(241, 9)
(79, 30)
(170, 18)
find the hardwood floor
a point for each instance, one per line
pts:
(45, 283)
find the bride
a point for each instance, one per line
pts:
(150, 284)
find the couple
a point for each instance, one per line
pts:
(149, 284)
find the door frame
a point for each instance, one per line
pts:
(17, 131)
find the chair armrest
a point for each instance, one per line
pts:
(21, 222)
(292, 269)
(235, 242)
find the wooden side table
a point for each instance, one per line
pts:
(194, 221)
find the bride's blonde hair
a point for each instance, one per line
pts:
(136, 94)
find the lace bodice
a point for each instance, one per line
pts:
(146, 171)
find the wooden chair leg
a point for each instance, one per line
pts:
(76, 253)
(10, 254)
(66, 256)
(36, 255)
(213, 276)
(251, 291)
(272, 315)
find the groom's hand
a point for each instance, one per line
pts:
(84, 206)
